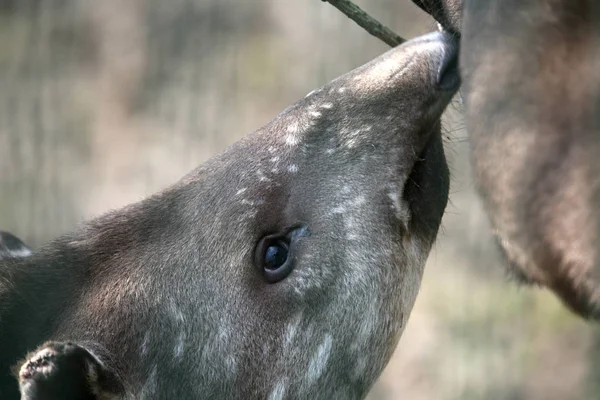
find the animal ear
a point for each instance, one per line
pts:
(12, 246)
(66, 371)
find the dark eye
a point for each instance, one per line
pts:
(274, 254)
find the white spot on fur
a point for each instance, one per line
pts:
(400, 209)
(293, 168)
(278, 391)
(359, 200)
(327, 106)
(293, 127)
(145, 343)
(315, 114)
(395, 198)
(249, 215)
(341, 90)
(176, 312)
(338, 210)
(271, 149)
(352, 138)
(349, 204)
(257, 202)
(262, 177)
(179, 346)
(319, 360)
(290, 330)
(291, 140)
(274, 159)
(231, 364)
(349, 224)
(330, 151)
(242, 190)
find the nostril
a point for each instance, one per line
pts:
(448, 76)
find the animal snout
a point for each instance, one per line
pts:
(437, 53)
(447, 77)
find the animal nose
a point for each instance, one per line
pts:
(447, 77)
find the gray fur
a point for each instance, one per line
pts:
(168, 285)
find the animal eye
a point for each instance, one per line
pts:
(273, 256)
(276, 255)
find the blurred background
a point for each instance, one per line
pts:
(105, 102)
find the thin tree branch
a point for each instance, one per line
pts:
(368, 23)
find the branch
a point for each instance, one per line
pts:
(368, 23)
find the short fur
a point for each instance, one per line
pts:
(531, 73)
(168, 287)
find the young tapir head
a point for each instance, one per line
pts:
(285, 267)
(531, 73)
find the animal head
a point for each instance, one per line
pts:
(285, 267)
